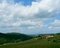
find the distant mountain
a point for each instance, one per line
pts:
(13, 37)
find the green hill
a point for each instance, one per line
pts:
(38, 42)
(13, 37)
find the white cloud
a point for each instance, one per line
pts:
(55, 25)
(18, 15)
(36, 8)
(28, 24)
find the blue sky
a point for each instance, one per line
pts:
(25, 2)
(30, 16)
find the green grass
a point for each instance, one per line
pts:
(36, 43)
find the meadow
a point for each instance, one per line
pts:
(53, 42)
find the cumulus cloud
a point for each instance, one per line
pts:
(54, 27)
(55, 24)
(44, 7)
(16, 15)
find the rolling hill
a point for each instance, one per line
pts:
(13, 37)
(38, 42)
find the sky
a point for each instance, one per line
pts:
(30, 16)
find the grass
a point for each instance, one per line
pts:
(36, 43)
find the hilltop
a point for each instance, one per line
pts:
(13, 37)
(37, 42)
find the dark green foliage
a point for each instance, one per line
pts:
(13, 37)
(33, 43)
(57, 33)
(36, 42)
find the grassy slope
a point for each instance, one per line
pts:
(13, 37)
(36, 43)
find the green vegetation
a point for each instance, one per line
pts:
(13, 37)
(36, 42)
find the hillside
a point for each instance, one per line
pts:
(13, 37)
(38, 42)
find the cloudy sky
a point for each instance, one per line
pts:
(30, 16)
